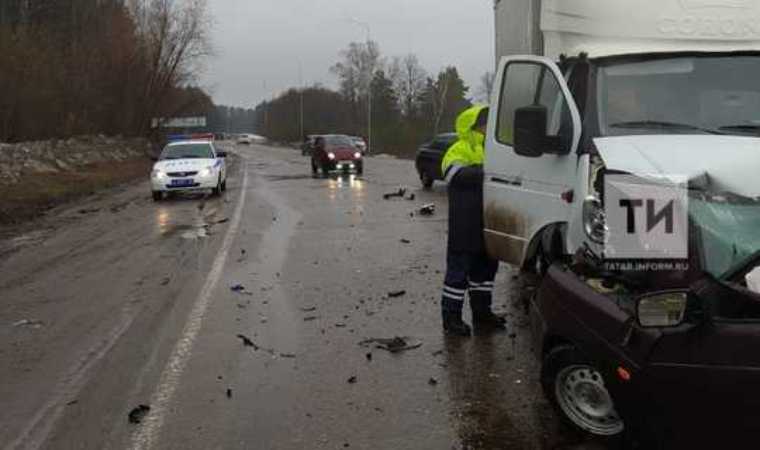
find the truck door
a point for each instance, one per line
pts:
(524, 194)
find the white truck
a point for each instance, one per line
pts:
(587, 87)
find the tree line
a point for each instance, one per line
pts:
(72, 67)
(408, 105)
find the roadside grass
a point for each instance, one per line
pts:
(39, 192)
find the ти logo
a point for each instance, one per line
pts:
(646, 218)
(701, 4)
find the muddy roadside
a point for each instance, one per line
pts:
(37, 193)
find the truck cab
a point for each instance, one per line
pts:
(584, 89)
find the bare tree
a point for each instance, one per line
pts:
(357, 67)
(485, 90)
(175, 40)
(409, 82)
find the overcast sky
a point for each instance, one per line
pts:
(259, 43)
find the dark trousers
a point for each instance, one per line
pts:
(472, 273)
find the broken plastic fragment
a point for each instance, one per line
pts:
(138, 414)
(427, 210)
(393, 345)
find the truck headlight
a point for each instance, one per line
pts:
(357, 155)
(331, 155)
(594, 220)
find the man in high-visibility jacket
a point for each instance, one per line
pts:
(468, 268)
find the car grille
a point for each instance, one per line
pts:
(182, 174)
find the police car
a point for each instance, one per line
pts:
(189, 164)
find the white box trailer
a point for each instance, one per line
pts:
(654, 88)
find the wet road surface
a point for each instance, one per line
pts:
(119, 301)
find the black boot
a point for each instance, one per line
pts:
(487, 320)
(453, 325)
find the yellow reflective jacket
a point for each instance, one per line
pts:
(469, 149)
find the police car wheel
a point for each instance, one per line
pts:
(217, 191)
(157, 196)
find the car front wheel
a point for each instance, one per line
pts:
(577, 390)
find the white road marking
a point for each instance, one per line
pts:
(147, 435)
(38, 430)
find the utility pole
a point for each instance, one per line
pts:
(367, 28)
(300, 82)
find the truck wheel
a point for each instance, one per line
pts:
(578, 392)
(360, 169)
(158, 196)
(426, 180)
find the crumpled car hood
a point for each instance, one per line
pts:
(731, 163)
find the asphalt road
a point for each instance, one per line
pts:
(117, 302)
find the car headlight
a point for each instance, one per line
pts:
(207, 172)
(357, 155)
(594, 220)
(331, 155)
(158, 174)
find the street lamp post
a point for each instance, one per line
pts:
(367, 28)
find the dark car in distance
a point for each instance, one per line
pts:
(429, 158)
(335, 152)
(669, 366)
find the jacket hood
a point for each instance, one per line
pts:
(727, 163)
(466, 120)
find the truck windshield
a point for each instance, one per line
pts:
(681, 95)
(728, 230)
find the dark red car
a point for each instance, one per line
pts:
(336, 152)
(671, 358)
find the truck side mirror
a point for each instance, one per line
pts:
(530, 130)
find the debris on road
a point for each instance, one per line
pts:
(88, 210)
(240, 289)
(247, 342)
(427, 210)
(229, 393)
(432, 381)
(72, 403)
(28, 323)
(310, 318)
(138, 414)
(309, 309)
(221, 221)
(352, 380)
(287, 355)
(165, 281)
(396, 294)
(369, 356)
(393, 345)
(406, 241)
(398, 194)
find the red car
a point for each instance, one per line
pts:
(336, 152)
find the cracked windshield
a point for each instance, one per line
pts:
(398, 224)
